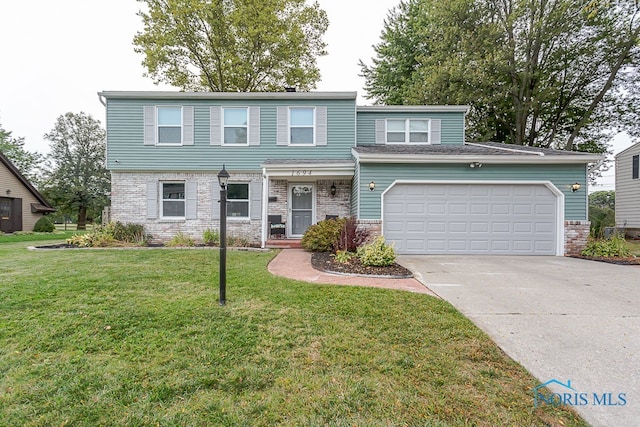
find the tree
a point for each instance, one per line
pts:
(549, 73)
(26, 161)
(603, 199)
(232, 45)
(78, 182)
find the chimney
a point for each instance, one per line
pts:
(289, 89)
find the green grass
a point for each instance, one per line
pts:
(37, 238)
(136, 337)
(634, 246)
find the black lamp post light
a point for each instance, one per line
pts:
(223, 180)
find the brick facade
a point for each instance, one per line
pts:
(129, 193)
(576, 234)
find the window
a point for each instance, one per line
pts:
(635, 167)
(301, 126)
(408, 131)
(169, 125)
(235, 126)
(173, 200)
(238, 200)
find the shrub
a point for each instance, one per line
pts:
(322, 237)
(614, 246)
(211, 237)
(44, 225)
(377, 253)
(180, 239)
(111, 235)
(238, 241)
(129, 233)
(344, 257)
(350, 237)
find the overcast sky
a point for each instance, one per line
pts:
(56, 56)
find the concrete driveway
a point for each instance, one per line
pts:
(561, 318)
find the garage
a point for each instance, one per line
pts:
(472, 218)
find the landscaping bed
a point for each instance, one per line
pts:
(325, 261)
(612, 260)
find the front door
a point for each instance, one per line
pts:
(300, 208)
(10, 215)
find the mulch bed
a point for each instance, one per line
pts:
(614, 260)
(323, 261)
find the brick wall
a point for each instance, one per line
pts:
(129, 205)
(576, 234)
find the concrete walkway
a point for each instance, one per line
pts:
(296, 264)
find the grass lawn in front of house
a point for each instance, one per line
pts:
(136, 337)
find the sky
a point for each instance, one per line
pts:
(56, 56)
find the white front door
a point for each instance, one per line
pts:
(301, 203)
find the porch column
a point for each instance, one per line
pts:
(265, 206)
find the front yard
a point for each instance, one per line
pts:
(136, 337)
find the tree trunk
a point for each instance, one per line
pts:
(82, 218)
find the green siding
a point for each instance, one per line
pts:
(125, 137)
(562, 176)
(452, 124)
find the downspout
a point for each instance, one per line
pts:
(265, 204)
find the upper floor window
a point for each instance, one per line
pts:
(635, 167)
(408, 131)
(173, 200)
(235, 124)
(169, 125)
(301, 125)
(238, 200)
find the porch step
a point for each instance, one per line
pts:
(284, 244)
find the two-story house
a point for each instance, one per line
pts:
(403, 171)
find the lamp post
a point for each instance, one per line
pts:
(223, 180)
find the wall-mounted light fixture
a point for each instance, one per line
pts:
(372, 186)
(333, 189)
(575, 187)
(8, 192)
(473, 165)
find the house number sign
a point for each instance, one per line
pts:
(301, 172)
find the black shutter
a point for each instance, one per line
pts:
(635, 167)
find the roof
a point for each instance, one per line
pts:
(487, 152)
(630, 150)
(227, 95)
(43, 206)
(413, 109)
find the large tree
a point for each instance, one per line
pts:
(232, 45)
(27, 162)
(550, 73)
(78, 182)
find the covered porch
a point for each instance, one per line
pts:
(299, 193)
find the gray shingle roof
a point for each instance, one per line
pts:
(482, 148)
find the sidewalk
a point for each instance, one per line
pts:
(296, 264)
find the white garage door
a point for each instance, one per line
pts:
(519, 219)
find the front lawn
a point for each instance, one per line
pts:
(136, 337)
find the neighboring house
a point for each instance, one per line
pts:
(628, 190)
(21, 205)
(403, 171)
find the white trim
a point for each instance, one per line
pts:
(248, 200)
(290, 185)
(466, 158)
(289, 126)
(414, 108)
(265, 207)
(229, 95)
(157, 130)
(407, 130)
(559, 200)
(161, 198)
(222, 126)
